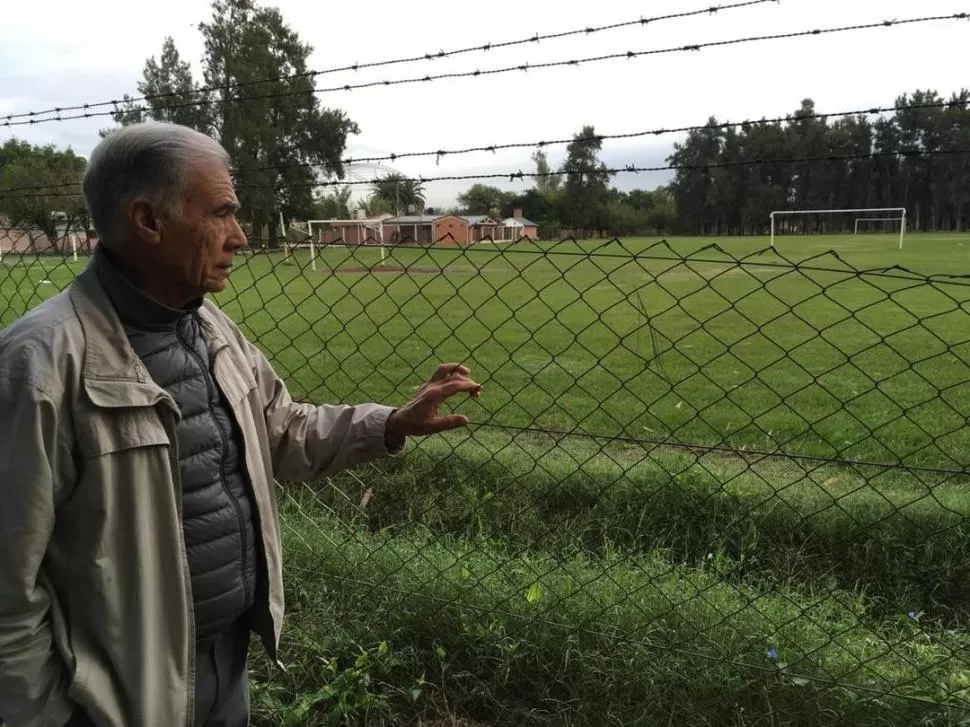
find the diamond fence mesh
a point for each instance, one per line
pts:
(699, 488)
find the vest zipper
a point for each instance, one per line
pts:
(243, 542)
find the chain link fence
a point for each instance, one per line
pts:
(700, 488)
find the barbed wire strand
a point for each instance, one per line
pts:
(628, 169)
(437, 55)
(522, 67)
(596, 138)
(633, 169)
(661, 131)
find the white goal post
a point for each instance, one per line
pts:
(900, 216)
(362, 226)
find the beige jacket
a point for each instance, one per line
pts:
(95, 602)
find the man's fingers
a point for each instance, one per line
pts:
(447, 370)
(457, 386)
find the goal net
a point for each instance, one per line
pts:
(878, 225)
(835, 221)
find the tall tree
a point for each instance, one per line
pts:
(956, 189)
(171, 94)
(483, 199)
(547, 183)
(259, 100)
(662, 212)
(692, 185)
(267, 113)
(886, 177)
(585, 191)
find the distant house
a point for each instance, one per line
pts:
(22, 241)
(427, 229)
(361, 231)
(411, 228)
(481, 227)
(518, 228)
(33, 241)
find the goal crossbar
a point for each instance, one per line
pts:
(900, 210)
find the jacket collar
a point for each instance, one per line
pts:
(134, 306)
(112, 374)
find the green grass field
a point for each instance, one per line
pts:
(695, 491)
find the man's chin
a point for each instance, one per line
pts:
(216, 285)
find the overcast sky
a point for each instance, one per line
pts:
(61, 52)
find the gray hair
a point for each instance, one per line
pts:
(147, 160)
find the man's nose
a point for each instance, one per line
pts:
(237, 237)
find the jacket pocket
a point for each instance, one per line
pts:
(110, 431)
(233, 375)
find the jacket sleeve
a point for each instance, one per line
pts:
(309, 441)
(33, 676)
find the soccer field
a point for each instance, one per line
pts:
(703, 476)
(639, 339)
(617, 477)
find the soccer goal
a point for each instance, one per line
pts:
(887, 214)
(346, 233)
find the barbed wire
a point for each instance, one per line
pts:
(661, 131)
(767, 491)
(596, 138)
(522, 67)
(597, 171)
(438, 55)
(631, 168)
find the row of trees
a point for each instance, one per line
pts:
(921, 162)
(727, 180)
(45, 198)
(576, 198)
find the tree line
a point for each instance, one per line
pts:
(917, 158)
(727, 179)
(575, 199)
(257, 97)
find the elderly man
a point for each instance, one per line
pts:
(139, 441)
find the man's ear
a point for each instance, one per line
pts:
(145, 223)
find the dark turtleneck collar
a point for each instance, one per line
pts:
(134, 306)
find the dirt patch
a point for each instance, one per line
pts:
(413, 269)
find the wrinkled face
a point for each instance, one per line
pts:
(193, 251)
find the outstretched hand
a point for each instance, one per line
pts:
(421, 415)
